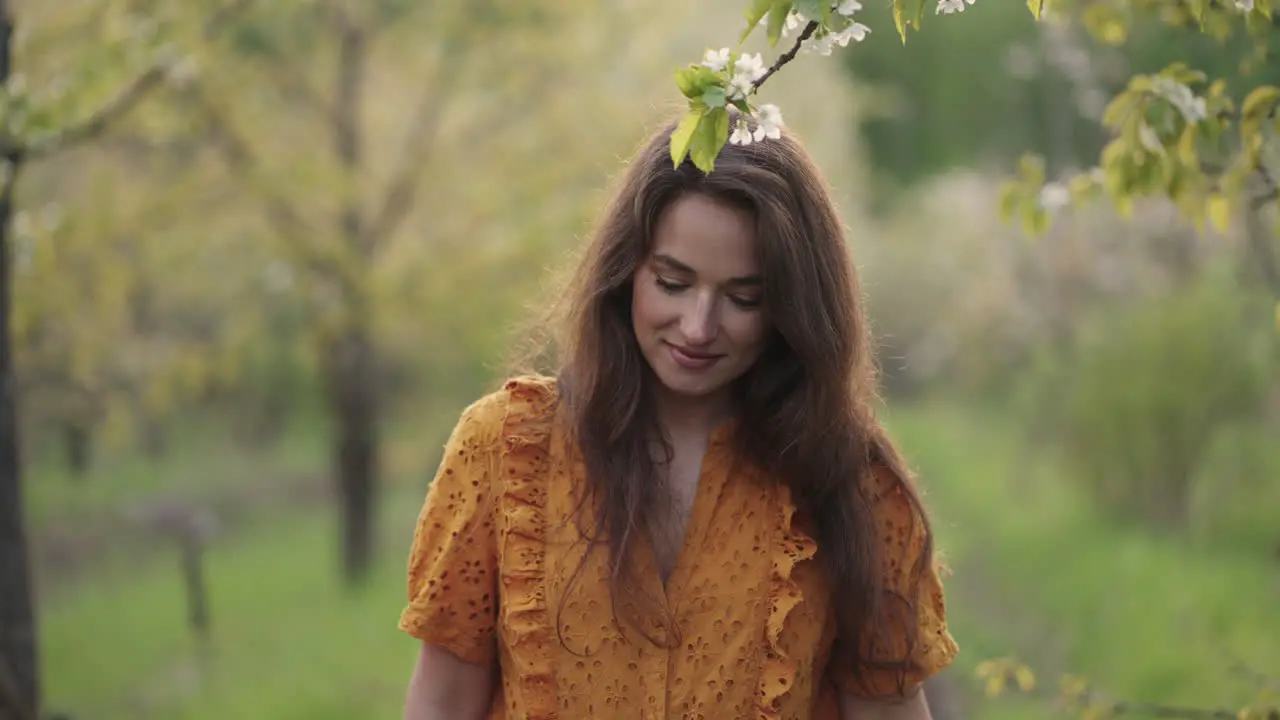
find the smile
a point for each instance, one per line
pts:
(692, 360)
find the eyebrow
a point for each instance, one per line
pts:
(674, 264)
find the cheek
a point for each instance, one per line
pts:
(747, 329)
(647, 303)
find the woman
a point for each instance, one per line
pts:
(698, 516)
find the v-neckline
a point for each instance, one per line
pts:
(713, 472)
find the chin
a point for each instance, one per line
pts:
(690, 385)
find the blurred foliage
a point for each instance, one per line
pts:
(1082, 699)
(1055, 77)
(158, 286)
(1180, 133)
(1139, 395)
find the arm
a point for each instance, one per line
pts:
(911, 624)
(443, 687)
(913, 707)
(452, 576)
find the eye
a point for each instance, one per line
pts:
(745, 303)
(670, 286)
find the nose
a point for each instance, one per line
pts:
(698, 323)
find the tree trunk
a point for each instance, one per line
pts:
(19, 683)
(77, 441)
(353, 379)
(154, 437)
(351, 386)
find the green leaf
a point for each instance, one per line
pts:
(1219, 209)
(755, 12)
(1036, 6)
(1010, 196)
(1031, 169)
(778, 19)
(1198, 9)
(1117, 111)
(714, 97)
(1124, 206)
(709, 137)
(683, 136)
(1187, 146)
(694, 80)
(1259, 102)
(1035, 221)
(1180, 72)
(686, 80)
(819, 10)
(907, 12)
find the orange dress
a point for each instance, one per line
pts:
(496, 545)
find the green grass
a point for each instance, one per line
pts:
(200, 461)
(1039, 575)
(287, 641)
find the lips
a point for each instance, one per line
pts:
(692, 359)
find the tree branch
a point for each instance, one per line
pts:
(346, 126)
(119, 106)
(789, 55)
(292, 82)
(397, 199)
(98, 121)
(287, 221)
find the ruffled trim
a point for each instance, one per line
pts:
(525, 458)
(778, 671)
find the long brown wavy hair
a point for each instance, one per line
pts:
(805, 409)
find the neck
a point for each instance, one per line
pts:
(682, 415)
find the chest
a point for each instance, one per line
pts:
(736, 593)
(682, 483)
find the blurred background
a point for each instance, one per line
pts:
(249, 311)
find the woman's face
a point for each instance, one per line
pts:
(696, 303)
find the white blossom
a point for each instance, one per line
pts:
(794, 22)
(1054, 196)
(856, 32)
(1181, 97)
(947, 7)
(848, 8)
(741, 134)
(746, 71)
(717, 60)
(1244, 5)
(183, 71)
(768, 122)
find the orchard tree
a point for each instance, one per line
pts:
(293, 101)
(131, 53)
(1176, 134)
(124, 311)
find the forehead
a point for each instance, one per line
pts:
(715, 239)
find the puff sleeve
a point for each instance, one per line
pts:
(909, 639)
(453, 564)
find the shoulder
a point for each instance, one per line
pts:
(520, 403)
(897, 507)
